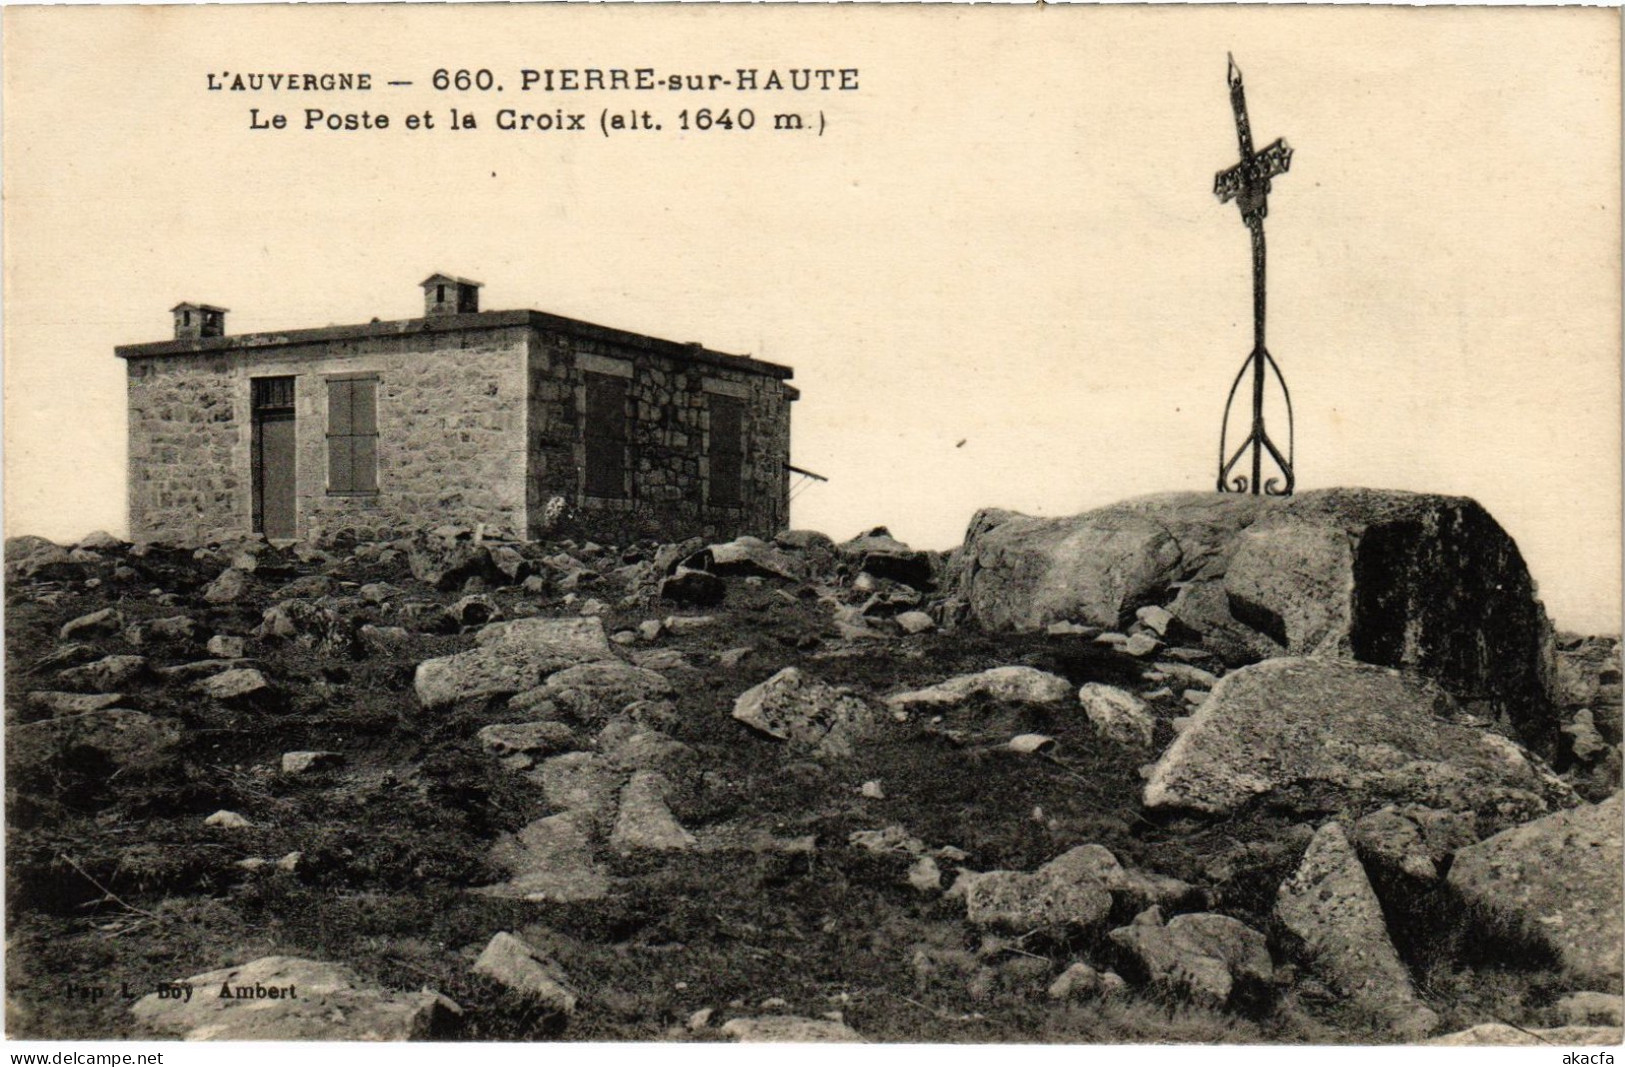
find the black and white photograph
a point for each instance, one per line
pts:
(938, 525)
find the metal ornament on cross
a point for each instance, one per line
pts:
(1248, 184)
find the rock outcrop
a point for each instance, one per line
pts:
(1329, 735)
(511, 657)
(1329, 903)
(1376, 576)
(1558, 878)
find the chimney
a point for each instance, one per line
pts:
(446, 294)
(193, 321)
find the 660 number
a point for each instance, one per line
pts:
(464, 79)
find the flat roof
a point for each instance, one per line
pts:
(478, 320)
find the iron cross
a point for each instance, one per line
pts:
(1248, 184)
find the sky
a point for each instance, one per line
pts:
(999, 273)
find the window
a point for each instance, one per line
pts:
(605, 436)
(440, 294)
(727, 451)
(352, 435)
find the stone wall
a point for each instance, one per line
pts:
(451, 445)
(668, 441)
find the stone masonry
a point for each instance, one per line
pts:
(480, 417)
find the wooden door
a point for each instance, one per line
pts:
(275, 506)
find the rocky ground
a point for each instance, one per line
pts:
(454, 786)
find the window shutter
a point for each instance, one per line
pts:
(605, 436)
(727, 451)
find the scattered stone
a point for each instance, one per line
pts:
(1584, 740)
(228, 587)
(1329, 903)
(580, 782)
(105, 621)
(1560, 878)
(645, 823)
(284, 998)
(925, 875)
(592, 607)
(237, 683)
(528, 738)
(1155, 618)
(592, 690)
(225, 646)
(1003, 684)
(649, 629)
(57, 703)
(732, 657)
(809, 715)
(511, 962)
(1118, 716)
(476, 609)
(1213, 960)
(1141, 645)
(700, 1020)
(378, 592)
(303, 762)
(872, 790)
(172, 628)
(693, 587)
(785, 1029)
(1030, 744)
(1329, 735)
(511, 657)
(916, 622)
(1052, 896)
(227, 820)
(687, 624)
(290, 863)
(1185, 674)
(659, 659)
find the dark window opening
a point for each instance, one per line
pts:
(605, 436)
(727, 451)
(352, 435)
(186, 318)
(440, 294)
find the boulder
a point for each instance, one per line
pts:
(225, 646)
(510, 658)
(788, 1029)
(915, 622)
(227, 587)
(1003, 684)
(1559, 879)
(1323, 735)
(1117, 715)
(644, 822)
(1212, 960)
(1061, 893)
(105, 621)
(284, 998)
(31, 556)
(53, 702)
(590, 690)
(695, 588)
(447, 564)
(509, 961)
(305, 761)
(807, 714)
(525, 738)
(1328, 902)
(1378, 576)
(1095, 863)
(747, 557)
(236, 684)
(582, 783)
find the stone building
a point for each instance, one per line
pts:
(517, 419)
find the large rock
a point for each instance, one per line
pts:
(1212, 960)
(644, 822)
(747, 557)
(284, 998)
(1424, 582)
(1329, 903)
(511, 657)
(1068, 891)
(1003, 684)
(104, 675)
(592, 690)
(1117, 715)
(509, 961)
(1329, 735)
(809, 715)
(1559, 878)
(878, 553)
(1017, 572)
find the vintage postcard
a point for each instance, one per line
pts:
(700, 524)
